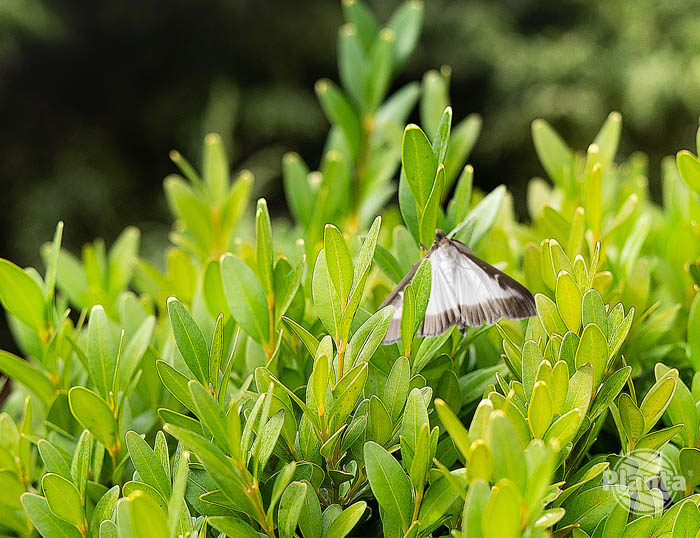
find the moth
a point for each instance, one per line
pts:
(465, 291)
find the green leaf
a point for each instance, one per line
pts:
(80, 464)
(689, 461)
(501, 517)
(593, 349)
(310, 519)
(379, 423)
(319, 381)
(507, 463)
(210, 414)
(369, 336)
(146, 463)
(687, 521)
(415, 415)
(101, 353)
(290, 508)
(569, 297)
(215, 167)
(396, 388)
(531, 359)
(389, 483)
(215, 461)
(435, 98)
(564, 428)
(135, 350)
(480, 220)
(297, 189)
(609, 391)
(419, 164)
(437, 501)
(380, 69)
(263, 249)
(339, 112)
(30, 376)
(406, 23)
(267, 439)
(147, 517)
(64, 499)
(554, 154)
(689, 169)
(189, 339)
(657, 399)
(93, 413)
(367, 252)
(459, 205)
(325, 297)
(176, 383)
(52, 265)
(593, 311)
(245, 297)
(681, 409)
(549, 315)
(408, 318)
(216, 354)
(287, 281)
(580, 389)
(454, 426)
(103, 510)
(190, 209)
(346, 521)
(442, 135)
(21, 296)
(309, 340)
(347, 391)
(338, 262)
(632, 418)
(53, 460)
(474, 506)
(608, 138)
(122, 259)
(429, 216)
(352, 61)
(539, 412)
(44, 520)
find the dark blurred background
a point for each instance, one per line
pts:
(92, 97)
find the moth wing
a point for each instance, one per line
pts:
(487, 294)
(395, 298)
(443, 309)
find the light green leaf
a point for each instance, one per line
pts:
(346, 521)
(338, 262)
(554, 154)
(189, 339)
(93, 413)
(245, 297)
(419, 164)
(28, 375)
(101, 353)
(44, 520)
(21, 295)
(389, 483)
(64, 499)
(146, 463)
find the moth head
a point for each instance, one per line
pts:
(440, 236)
